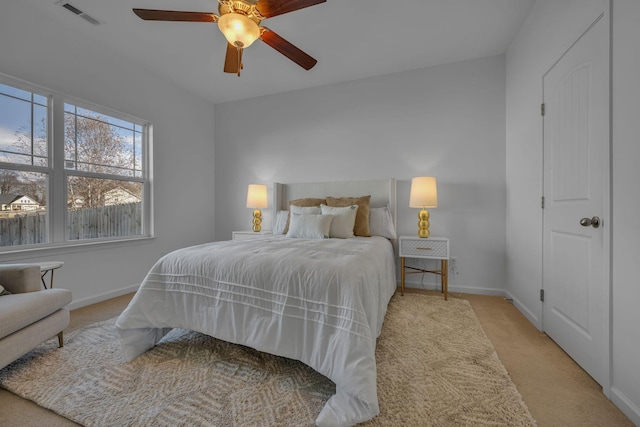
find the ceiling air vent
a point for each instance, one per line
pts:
(78, 12)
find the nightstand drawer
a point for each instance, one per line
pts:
(424, 248)
(244, 235)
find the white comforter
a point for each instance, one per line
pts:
(318, 301)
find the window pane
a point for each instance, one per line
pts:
(40, 149)
(39, 99)
(23, 128)
(107, 119)
(137, 153)
(102, 208)
(23, 208)
(69, 141)
(13, 91)
(98, 143)
(15, 125)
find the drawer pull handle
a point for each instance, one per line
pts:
(423, 249)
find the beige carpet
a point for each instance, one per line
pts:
(435, 368)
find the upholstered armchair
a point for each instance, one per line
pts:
(29, 315)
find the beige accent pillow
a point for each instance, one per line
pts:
(303, 203)
(361, 227)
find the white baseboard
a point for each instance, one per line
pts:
(102, 297)
(477, 291)
(631, 410)
(535, 320)
(455, 288)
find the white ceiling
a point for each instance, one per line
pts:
(351, 39)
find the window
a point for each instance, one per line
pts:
(69, 171)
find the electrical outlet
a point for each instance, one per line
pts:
(453, 265)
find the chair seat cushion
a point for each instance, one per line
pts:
(20, 310)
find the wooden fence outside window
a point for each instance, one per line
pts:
(85, 223)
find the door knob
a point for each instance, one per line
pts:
(593, 222)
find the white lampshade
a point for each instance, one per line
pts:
(424, 193)
(238, 29)
(257, 196)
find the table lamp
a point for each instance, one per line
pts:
(257, 199)
(424, 194)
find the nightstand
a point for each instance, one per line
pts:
(425, 248)
(244, 235)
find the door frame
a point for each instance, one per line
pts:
(607, 223)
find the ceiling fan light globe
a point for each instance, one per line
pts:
(238, 29)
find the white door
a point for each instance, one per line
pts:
(576, 191)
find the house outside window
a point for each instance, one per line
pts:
(11, 202)
(84, 179)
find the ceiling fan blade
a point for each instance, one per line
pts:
(269, 8)
(174, 15)
(233, 59)
(287, 49)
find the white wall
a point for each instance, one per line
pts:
(550, 28)
(625, 390)
(446, 121)
(48, 53)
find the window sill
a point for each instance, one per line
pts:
(13, 253)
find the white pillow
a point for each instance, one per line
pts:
(281, 222)
(344, 218)
(309, 226)
(381, 223)
(305, 210)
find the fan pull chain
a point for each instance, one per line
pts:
(239, 60)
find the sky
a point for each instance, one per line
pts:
(15, 112)
(6, 136)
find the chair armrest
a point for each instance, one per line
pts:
(20, 278)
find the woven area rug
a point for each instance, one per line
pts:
(436, 367)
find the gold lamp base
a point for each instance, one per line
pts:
(257, 221)
(423, 223)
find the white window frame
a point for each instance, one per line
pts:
(57, 188)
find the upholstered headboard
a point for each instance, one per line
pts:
(383, 192)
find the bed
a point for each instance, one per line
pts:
(320, 301)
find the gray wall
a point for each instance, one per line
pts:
(550, 28)
(446, 121)
(49, 53)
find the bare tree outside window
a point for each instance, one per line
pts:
(94, 145)
(9, 182)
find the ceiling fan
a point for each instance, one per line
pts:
(239, 21)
